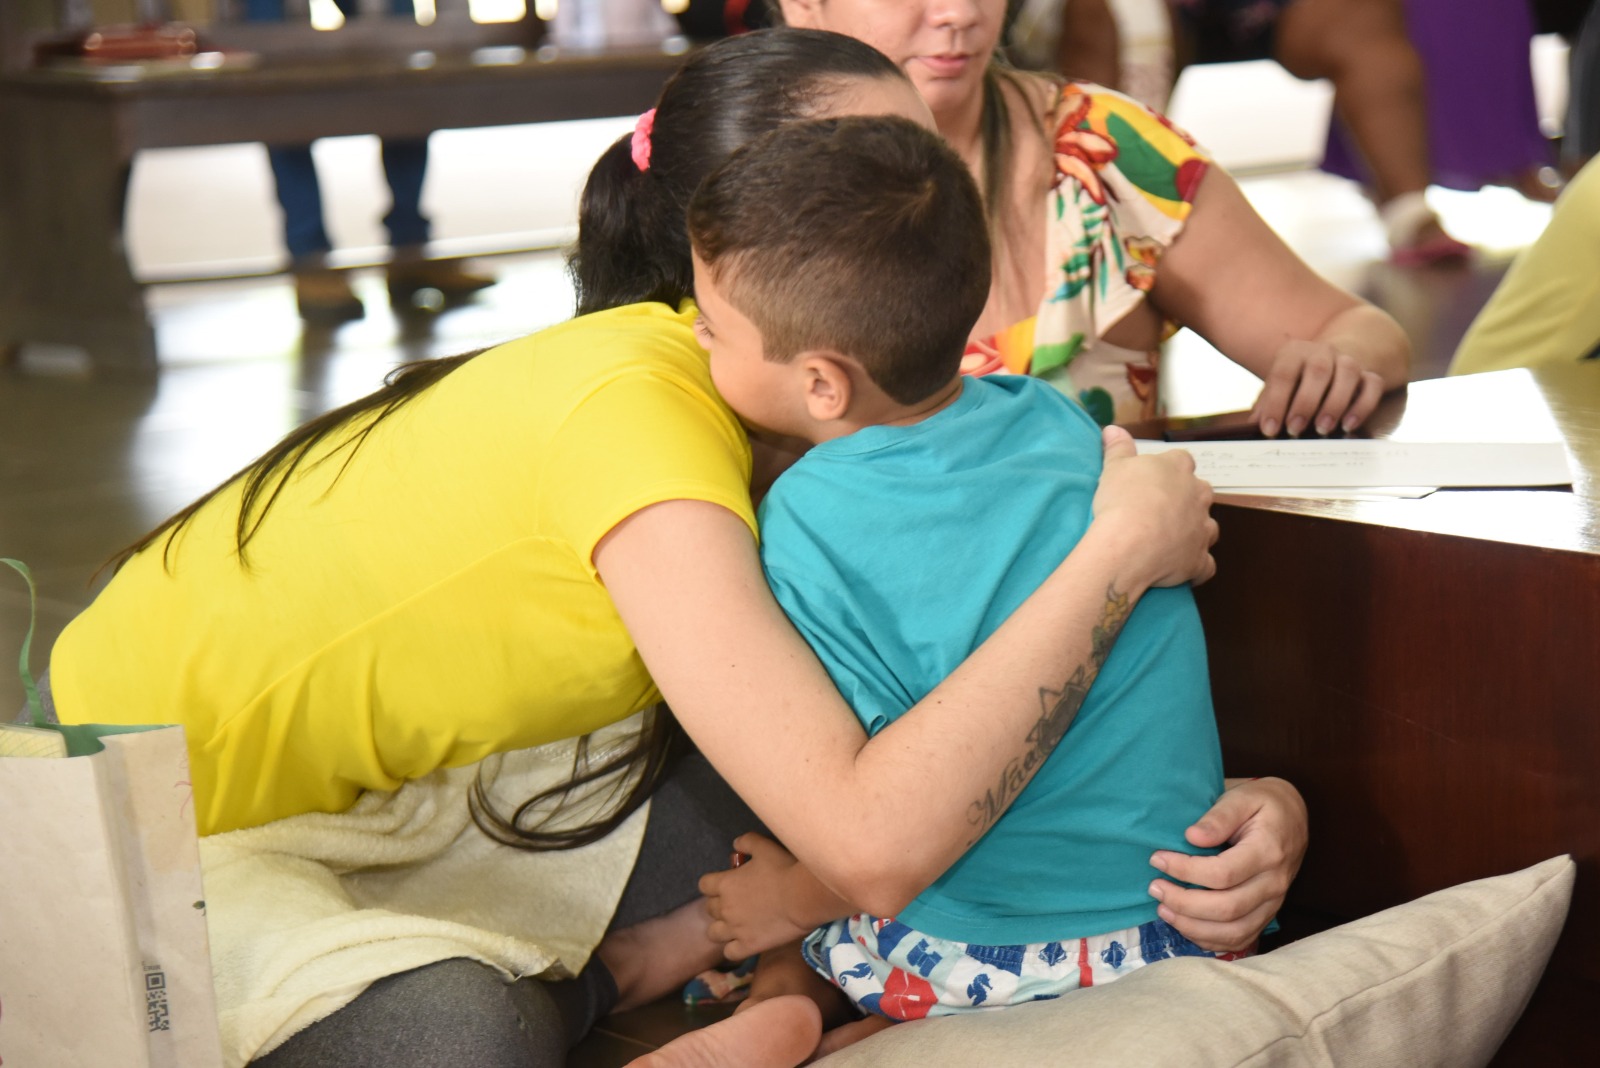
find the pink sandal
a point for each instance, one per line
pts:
(1415, 237)
(1439, 249)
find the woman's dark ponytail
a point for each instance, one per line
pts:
(633, 246)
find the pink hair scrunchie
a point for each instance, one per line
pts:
(641, 139)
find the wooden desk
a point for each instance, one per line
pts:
(67, 143)
(1428, 673)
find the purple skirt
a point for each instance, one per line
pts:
(1483, 123)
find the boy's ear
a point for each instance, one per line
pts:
(801, 14)
(829, 388)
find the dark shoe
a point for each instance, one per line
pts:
(325, 296)
(409, 279)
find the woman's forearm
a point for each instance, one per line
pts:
(997, 717)
(1234, 281)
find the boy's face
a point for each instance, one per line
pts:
(764, 394)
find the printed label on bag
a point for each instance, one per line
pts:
(157, 1017)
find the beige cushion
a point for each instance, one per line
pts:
(1437, 981)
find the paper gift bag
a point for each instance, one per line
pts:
(104, 958)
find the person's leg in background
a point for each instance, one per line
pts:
(294, 174)
(405, 166)
(1483, 113)
(1362, 47)
(1089, 48)
(322, 294)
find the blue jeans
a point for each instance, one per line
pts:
(295, 174)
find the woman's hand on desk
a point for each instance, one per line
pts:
(1314, 387)
(1263, 825)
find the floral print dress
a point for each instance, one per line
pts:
(1125, 179)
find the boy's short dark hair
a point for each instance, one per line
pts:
(864, 235)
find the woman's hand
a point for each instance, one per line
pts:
(767, 901)
(1315, 384)
(1264, 825)
(1157, 506)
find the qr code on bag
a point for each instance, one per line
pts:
(155, 999)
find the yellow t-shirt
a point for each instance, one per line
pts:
(432, 602)
(1547, 308)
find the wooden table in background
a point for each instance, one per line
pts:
(67, 142)
(1428, 673)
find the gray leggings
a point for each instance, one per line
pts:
(459, 1012)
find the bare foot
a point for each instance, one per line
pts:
(657, 956)
(780, 1032)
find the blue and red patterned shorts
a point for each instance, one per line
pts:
(890, 970)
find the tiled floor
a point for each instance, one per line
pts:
(87, 464)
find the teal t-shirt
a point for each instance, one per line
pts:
(897, 550)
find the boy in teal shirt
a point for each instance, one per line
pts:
(839, 267)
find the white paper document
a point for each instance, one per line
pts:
(1333, 493)
(1353, 463)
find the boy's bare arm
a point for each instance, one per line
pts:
(768, 900)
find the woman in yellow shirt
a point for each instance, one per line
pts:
(1547, 307)
(523, 545)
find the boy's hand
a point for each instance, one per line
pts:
(768, 901)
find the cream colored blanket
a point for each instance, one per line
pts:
(305, 912)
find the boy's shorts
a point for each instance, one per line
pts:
(890, 970)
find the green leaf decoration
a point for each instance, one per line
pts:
(1079, 271)
(1141, 162)
(1047, 358)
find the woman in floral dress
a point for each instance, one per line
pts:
(1112, 229)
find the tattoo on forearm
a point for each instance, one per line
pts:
(1058, 708)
